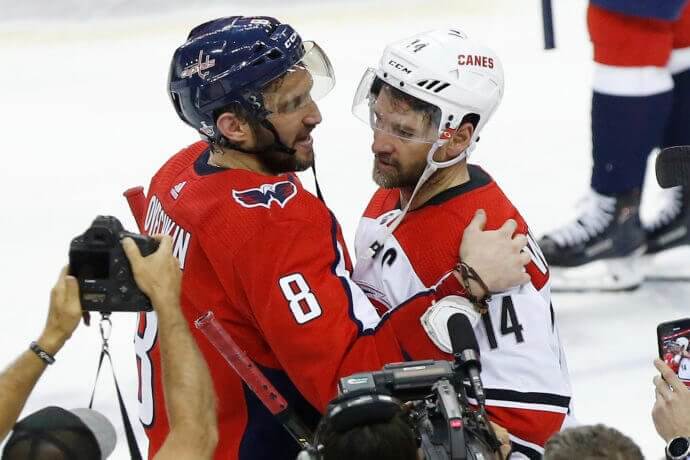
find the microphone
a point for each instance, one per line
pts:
(466, 352)
(673, 166)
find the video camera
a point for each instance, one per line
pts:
(445, 424)
(99, 263)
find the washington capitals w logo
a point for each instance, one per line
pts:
(266, 194)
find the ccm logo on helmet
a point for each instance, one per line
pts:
(399, 66)
(482, 61)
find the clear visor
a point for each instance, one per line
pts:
(386, 109)
(305, 82)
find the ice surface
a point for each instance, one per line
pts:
(84, 115)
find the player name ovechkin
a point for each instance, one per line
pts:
(158, 222)
(472, 59)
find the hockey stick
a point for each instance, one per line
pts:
(137, 204)
(547, 20)
(254, 378)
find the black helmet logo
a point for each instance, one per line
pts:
(199, 67)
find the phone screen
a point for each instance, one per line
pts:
(674, 347)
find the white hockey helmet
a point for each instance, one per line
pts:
(442, 67)
(683, 342)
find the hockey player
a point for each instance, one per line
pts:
(640, 101)
(263, 254)
(672, 356)
(683, 368)
(427, 102)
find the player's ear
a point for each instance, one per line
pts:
(460, 141)
(234, 128)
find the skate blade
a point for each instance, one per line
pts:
(621, 274)
(669, 265)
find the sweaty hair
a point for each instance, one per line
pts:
(241, 112)
(591, 442)
(431, 113)
(235, 108)
(392, 440)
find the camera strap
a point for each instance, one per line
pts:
(105, 326)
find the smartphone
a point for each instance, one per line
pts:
(673, 339)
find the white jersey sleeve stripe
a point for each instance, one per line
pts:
(547, 399)
(524, 449)
(362, 312)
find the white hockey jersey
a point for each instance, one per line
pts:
(684, 369)
(523, 366)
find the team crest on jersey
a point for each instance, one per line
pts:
(266, 195)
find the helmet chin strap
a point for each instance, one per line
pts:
(279, 145)
(431, 167)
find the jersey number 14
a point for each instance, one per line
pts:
(509, 323)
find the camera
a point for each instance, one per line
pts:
(445, 424)
(98, 261)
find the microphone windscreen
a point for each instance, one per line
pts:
(461, 333)
(673, 166)
(100, 426)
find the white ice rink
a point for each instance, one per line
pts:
(84, 114)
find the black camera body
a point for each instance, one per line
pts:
(98, 261)
(447, 427)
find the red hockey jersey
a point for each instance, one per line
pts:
(523, 369)
(673, 361)
(268, 258)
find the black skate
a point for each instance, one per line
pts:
(668, 239)
(602, 249)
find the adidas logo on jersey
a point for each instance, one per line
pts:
(175, 191)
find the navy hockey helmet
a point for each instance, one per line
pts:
(232, 60)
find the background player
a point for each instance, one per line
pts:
(683, 367)
(264, 254)
(427, 102)
(640, 101)
(672, 356)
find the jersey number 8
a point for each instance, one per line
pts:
(301, 300)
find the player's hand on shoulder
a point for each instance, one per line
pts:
(158, 275)
(496, 255)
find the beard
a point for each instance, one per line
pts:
(394, 175)
(278, 161)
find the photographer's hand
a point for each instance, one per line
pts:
(189, 393)
(19, 379)
(671, 411)
(496, 255)
(63, 315)
(157, 275)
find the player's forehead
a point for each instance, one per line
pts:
(387, 102)
(296, 81)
